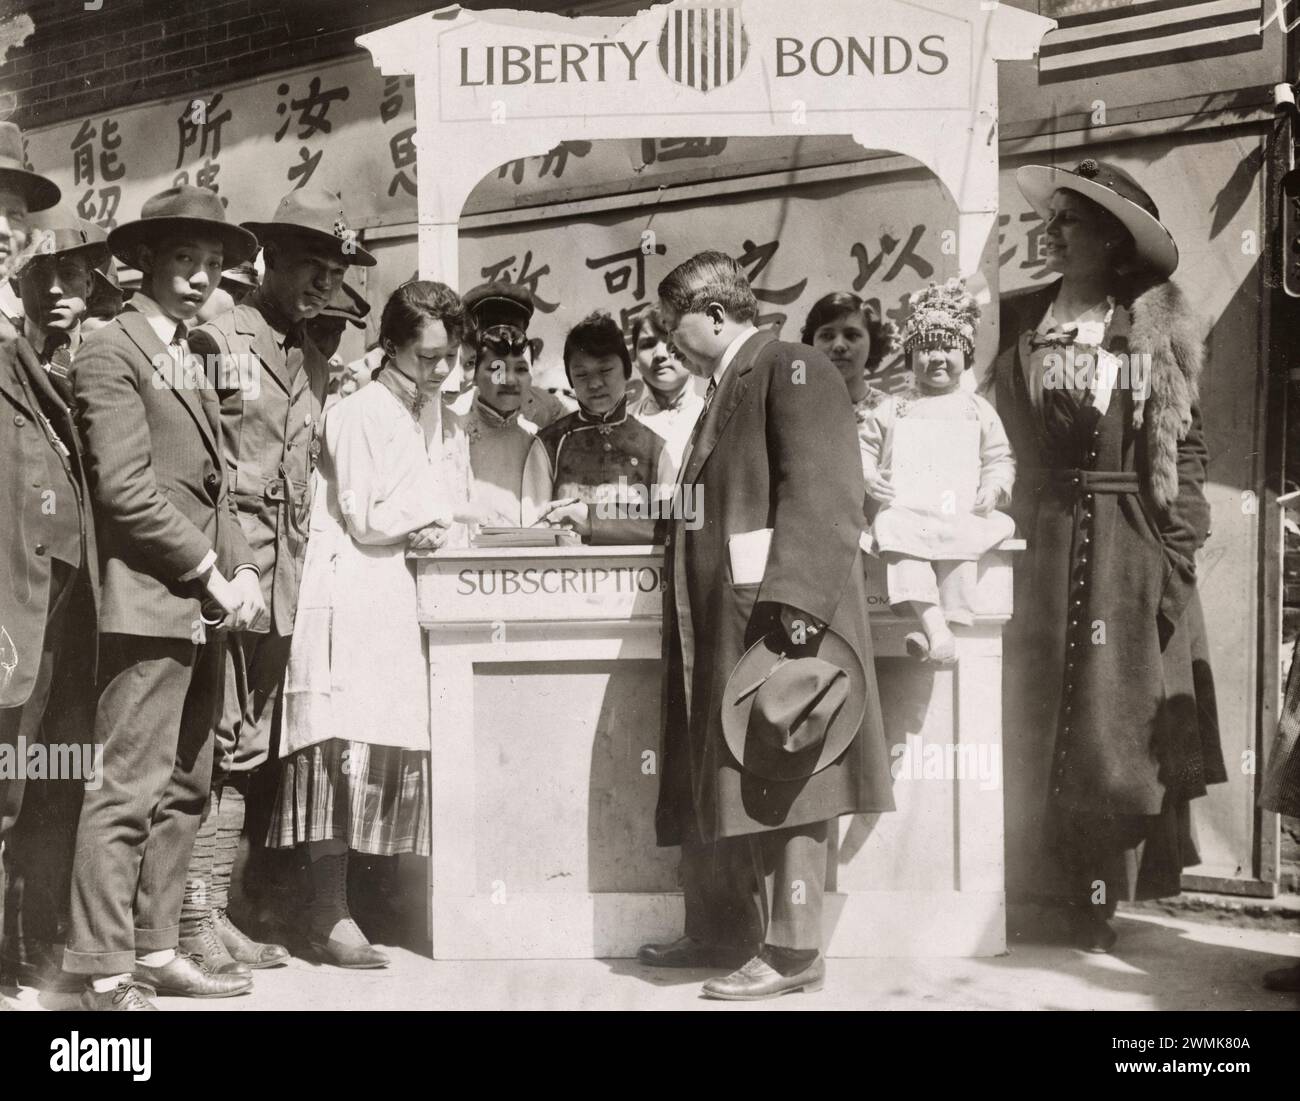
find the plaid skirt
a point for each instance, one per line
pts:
(374, 797)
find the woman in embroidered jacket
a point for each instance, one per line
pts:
(1111, 726)
(395, 473)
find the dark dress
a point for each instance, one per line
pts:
(1111, 725)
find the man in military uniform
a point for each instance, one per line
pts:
(600, 455)
(272, 390)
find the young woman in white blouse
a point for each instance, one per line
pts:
(394, 474)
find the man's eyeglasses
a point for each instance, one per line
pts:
(503, 340)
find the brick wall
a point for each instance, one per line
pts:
(78, 62)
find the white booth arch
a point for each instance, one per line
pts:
(543, 843)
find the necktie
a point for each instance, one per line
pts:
(56, 354)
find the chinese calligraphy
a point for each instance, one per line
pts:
(85, 157)
(312, 112)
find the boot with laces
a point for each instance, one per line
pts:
(202, 941)
(333, 933)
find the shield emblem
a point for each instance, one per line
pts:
(703, 45)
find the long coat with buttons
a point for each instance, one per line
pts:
(1108, 695)
(35, 514)
(155, 468)
(271, 433)
(777, 448)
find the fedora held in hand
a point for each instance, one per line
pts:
(788, 712)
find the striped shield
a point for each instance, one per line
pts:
(703, 45)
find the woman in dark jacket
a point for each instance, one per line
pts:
(1111, 723)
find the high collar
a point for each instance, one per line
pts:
(491, 417)
(615, 416)
(280, 324)
(656, 402)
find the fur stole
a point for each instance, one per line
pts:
(1165, 327)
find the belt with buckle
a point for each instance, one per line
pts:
(1094, 481)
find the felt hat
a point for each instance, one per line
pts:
(493, 304)
(1108, 186)
(347, 305)
(41, 194)
(182, 209)
(787, 711)
(59, 232)
(243, 274)
(314, 214)
(941, 317)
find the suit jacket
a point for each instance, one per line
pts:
(156, 473)
(271, 434)
(777, 449)
(31, 520)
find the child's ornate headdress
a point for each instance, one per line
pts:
(942, 316)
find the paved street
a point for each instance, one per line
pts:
(1163, 963)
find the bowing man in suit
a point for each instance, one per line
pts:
(175, 565)
(775, 450)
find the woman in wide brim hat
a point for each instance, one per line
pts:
(314, 215)
(1110, 708)
(182, 211)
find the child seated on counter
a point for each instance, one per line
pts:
(938, 461)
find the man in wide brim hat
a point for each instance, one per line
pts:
(314, 214)
(39, 192)
(54, 277)
(788, 712)
(1115, 191)
(182, 211)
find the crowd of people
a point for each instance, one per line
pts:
(206, 520)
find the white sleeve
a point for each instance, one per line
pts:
(538, 486)
(387, 487)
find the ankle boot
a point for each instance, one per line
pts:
(243, 948)
(201, 940)
(332, 931)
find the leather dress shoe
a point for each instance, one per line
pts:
(128, 996)
(758, 980)
(1093, 933)
(689, 952)
(42, 969)
(208, 948)
(244, 949)
(360, 957)
(185, 977)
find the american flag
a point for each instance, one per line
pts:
(1097, 37)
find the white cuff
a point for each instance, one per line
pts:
(209, 560)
